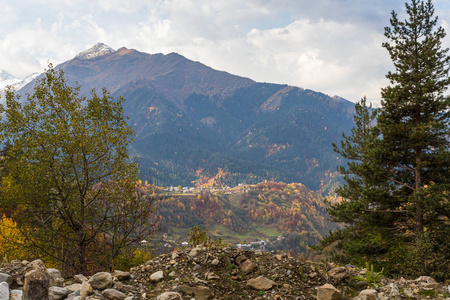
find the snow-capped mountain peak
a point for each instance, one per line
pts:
(98, 50)
(7, 79)
(6, 76)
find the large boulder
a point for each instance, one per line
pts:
(121, 276)
(86, 289)
(57, 279)
(57, 293)
(6, 278)
(4, 291)
(16, 295)
(328, 292)
(113, 294)
(37, 282)
(101, 281)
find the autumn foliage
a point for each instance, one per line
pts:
(290, 209)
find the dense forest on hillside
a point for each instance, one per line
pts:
(249, 135)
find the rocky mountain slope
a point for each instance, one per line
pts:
(191, 120)
(215, 273)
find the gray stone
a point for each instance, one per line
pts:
(55, 273)
(121, 275)
(338, 274)
(425, 279)
(157, 276)
(261, 283)
(391, 292)
(86, 289)
(16, 295)
(74, 295)
(328, 292)
(73, 287)
(114, 294)
(101, 281)
(199, 292)
(194, 252)
(408, 292)
(4, 291)
(118, 285)
(215, 262)
(368, 294)
(57, 293)
(79, 278)
(247, 266)
(169, 296)
(37, 282)
(57, 279)
(6, 278)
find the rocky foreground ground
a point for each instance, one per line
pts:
(215, 273)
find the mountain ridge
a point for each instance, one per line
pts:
(191, 120)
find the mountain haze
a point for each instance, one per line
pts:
(192, 122)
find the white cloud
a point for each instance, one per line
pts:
(326, 45)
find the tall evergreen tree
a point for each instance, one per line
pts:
(414, 151)
(405, 190)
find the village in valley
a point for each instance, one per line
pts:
(240, 188)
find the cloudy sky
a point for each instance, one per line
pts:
(331, 46)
